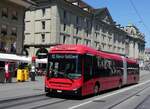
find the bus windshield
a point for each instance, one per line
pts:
(64, 66)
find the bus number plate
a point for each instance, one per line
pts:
(59, 91)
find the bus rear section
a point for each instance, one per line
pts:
(64, 74)
(132, 72)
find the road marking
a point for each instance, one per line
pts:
(105, 96)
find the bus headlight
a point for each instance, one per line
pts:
(75, 89)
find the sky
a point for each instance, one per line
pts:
(123, 12)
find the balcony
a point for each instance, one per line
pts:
(24, 3)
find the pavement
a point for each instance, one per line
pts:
(143, 72)
(16, 90)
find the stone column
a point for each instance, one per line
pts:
(131, 49)
(93, 34)
(136, 55)
(55, 22)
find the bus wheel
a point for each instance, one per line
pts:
(96, 89)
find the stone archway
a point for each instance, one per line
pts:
(41, 53)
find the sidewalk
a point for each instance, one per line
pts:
(143, 72)
(21, 89)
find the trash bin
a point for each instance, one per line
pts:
(20, 75)
(26, 74)
(2, 75)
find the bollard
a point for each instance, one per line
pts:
(32, 75)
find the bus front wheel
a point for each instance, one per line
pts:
(120, 84)
(96, 89)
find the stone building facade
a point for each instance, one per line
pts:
(12, 25)
(135, 42)
(147, 54)
(72, 22)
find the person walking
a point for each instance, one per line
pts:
(7, 73)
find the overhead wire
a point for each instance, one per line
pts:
(140, 17)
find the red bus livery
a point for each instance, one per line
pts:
(81, 70)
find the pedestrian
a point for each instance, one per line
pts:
(32, 73)
(7, 73)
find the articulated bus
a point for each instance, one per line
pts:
(81, 70)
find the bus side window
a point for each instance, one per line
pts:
(107, 69)
(95, 67)
(101, 67)
(119, 68)
(137, 68)
(87, 67)
(112, 68)
(129, 68)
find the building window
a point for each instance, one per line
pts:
(77, 30)
(2, 47)
(5, 12)
(104, 30)
(87, 24)
(43, 24)
(64, 39)
(96, 44)
(97, 27)
(43, 12)
(103, 45)
(87, 33)
(118, 49)
(110, 33)
(122, 49)
(114, 48)
(103, 35)
(77, 20)
(86, 42)
(64, 27)
(96, 35)
(14, 31)
(65, 14)
(43, 37)
(4, 30)
(77, 40)
(109, 46)
(14, 15)
(109, 39)
(12, 49)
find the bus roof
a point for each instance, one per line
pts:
(71, 48)
(132, 61)
(82, 49)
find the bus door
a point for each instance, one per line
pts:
(124, 70)
(87, 75)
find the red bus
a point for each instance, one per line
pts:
(81, 70)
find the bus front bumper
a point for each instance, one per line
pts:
(76, 92)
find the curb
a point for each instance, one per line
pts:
(21, 98)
